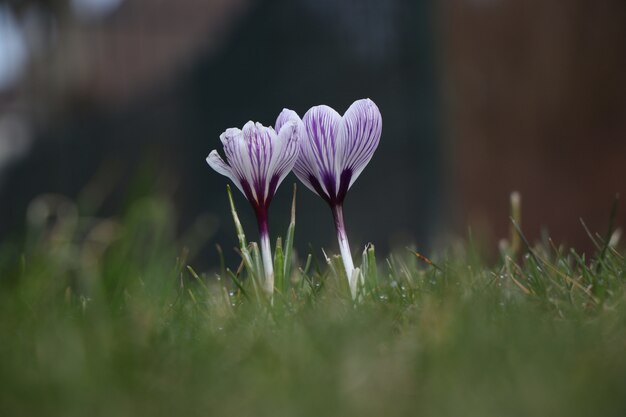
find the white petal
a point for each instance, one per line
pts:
(317, 154)
(259, 142)
(359, 135)
(236, 155)
(216, 162)
(285, 151)
(285, 116)
(301, 170)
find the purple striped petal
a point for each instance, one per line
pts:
(257, 147)
(336, 149)
(358, 138)
(287, 116)
(237, 157)
(286, 152)
(316, 164)
(300, 168)
(258, 159)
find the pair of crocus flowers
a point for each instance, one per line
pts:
(325, 150)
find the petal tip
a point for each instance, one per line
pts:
(229, 134)
(285, 116)
(210, 155)
(367, 102)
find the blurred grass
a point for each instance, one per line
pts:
(102, 317)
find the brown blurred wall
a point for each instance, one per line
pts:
(139, 48)
(535, 98)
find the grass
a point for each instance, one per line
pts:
(105, 318)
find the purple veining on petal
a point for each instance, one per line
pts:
(304, 166)
(317, 152)
(259, 140)
(360, 134)
(286, 150)
(323, 130)
(337, 149)
(286, 116)
(258, 160)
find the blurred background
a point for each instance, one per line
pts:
(106, 103)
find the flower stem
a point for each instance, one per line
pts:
(344, 247)
(266, 254)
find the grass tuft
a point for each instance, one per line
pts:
(107, 318)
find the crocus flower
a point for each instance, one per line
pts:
(334, 150)
(258, 160)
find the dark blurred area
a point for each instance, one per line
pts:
(110, 101)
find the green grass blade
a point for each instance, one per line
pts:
(237, 283)
(370, 270)
(241, 236)
(288, 250)
(341, 282)
(257, 263)
(279, 260)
